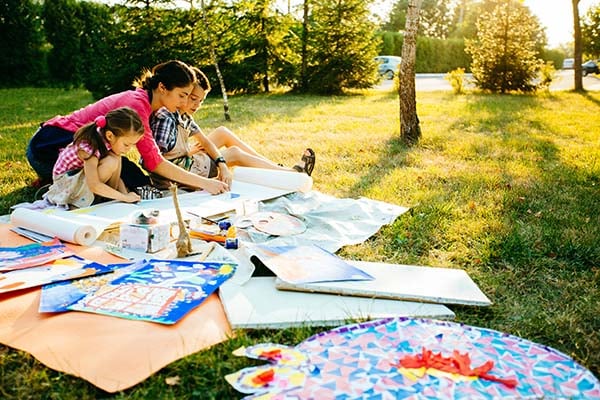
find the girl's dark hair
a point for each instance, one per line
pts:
(120, 121)
(201, 79)
(172, 74)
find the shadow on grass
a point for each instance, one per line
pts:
(19, 195)
(538, 256)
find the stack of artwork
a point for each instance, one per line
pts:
(307, 285)
(161, 291)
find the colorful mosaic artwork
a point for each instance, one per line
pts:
(404, 358)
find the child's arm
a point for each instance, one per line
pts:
(214, 153)
(99, 188)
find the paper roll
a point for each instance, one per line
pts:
(53, 225)
(286, 180)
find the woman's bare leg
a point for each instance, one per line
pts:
(236, 156)
(223, 137)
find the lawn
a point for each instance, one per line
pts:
(505, 187)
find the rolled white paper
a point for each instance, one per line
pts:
(285, 180)
(53, 225)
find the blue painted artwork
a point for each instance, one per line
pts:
(56, 297)
(161, 291)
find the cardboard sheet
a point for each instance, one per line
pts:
(111, 353)
(403, 282)
(258, 304)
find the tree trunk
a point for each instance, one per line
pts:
(213, 56)
(410, 131)
(265, 53)
(577, 40)
(304, 52)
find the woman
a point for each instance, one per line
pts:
(166, 85)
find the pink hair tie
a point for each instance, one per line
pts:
(100, 121)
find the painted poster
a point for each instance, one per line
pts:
(56, 297)
(161, 291)
(31, 255)
(305, 264)
(63, 269)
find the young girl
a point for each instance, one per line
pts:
(91, 165)
(167, 85)
(201, 154)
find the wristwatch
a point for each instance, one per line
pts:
(220, 160)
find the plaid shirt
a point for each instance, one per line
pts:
(164, 128)
(68, 159)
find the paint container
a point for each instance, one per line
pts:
(224, 225)
(231, 243)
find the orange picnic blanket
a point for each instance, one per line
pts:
(111, 353)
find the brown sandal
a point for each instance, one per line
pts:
(309, 159)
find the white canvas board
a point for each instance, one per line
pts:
(258, 304)
(403, 282)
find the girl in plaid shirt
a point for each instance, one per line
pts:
(91, 165)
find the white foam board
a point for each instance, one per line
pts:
(403, 282)
(258, 304)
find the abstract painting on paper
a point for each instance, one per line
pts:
(31, 255)
(63, 269)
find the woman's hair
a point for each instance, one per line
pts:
(120, 121)
(172, 74)
(201, 79)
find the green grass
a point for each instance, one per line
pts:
(504, 187)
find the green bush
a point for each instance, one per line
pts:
(22, 55)
(456, 78)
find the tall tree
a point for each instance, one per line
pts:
(410, 130)
(505, 50)
(435, 18)
(213, 59)
(590, 32)
(341, 46)
(304, 45)
(63, 31)
(577, 51)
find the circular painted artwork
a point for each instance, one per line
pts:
(277, 224)
(406, 358)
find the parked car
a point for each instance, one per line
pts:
(388, 66)
(590, 67)
(568, 63)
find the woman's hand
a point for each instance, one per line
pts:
(214, 186)
(131, 197)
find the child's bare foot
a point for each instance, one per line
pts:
(307, 163)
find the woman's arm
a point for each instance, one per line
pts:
(211, 149)
(175, 173)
